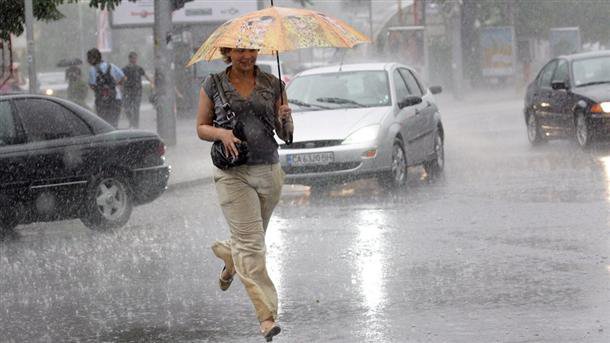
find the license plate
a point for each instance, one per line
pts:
(314, 159)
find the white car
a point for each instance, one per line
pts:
(270, 66)
(362, 120)
(53, 83)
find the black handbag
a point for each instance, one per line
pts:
(220, 157)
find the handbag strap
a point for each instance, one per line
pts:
(226, 106)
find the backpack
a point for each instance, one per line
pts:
(105, 86)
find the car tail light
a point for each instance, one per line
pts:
(161, 149)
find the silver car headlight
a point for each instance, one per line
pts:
(363, 135)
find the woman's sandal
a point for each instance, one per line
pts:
(274, 331)
(224, 284)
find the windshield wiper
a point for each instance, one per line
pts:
(593, 83)
(305, 104)
(339, 101)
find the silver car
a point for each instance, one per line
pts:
(362, 120)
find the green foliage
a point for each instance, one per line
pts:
(304, 3)
(534, 18)
(12, 13)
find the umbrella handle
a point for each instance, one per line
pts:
(279, 74)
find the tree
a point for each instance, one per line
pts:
(12, 12)
(531, 19)
(304, 3)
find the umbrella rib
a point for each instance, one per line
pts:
(336, 33)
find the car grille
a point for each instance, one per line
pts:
(321, 169)
(311, 144)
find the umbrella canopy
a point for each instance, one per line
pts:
(67, 62)
(278, 29)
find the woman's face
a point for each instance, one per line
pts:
(243, 59)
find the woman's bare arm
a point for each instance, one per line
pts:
(283, 119)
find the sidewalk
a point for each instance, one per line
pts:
(189, 158)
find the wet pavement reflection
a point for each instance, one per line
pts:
(511, 245)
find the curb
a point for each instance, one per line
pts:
(288, 190)
(176, 186)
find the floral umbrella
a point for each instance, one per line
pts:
(278, 29)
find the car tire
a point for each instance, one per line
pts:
(8, 219)
(533, 130)
(434, 168)
(396, 177)
(7, 226)
(109, 203)
(583, 131)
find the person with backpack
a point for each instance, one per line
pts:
(104, 79)
(133, 89)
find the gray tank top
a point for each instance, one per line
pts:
(262, 147)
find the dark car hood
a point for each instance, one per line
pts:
(597, 93)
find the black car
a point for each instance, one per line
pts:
(60, 161)
(570, 97)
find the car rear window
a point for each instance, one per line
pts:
(46, 120)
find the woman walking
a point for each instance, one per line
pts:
(247, 193)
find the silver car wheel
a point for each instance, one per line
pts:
(582, 131)
(111, 199)
(399, 164)
(440, 152)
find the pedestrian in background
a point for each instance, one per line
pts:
(247, 193)
(105, 79)
(133, 89)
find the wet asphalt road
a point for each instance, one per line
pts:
(512, 245)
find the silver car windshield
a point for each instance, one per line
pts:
(339, 90)
(591, 71)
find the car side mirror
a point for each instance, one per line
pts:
(435, 89)
(409, 101)
(557, 85)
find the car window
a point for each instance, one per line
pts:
(401, 88)
(546, 75)
(412, 85)
(562, 71)
(46, 120)
(8, 132)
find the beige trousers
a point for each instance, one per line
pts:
(248, 195)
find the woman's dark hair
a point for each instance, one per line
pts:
(94, 56)
(225, 55)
